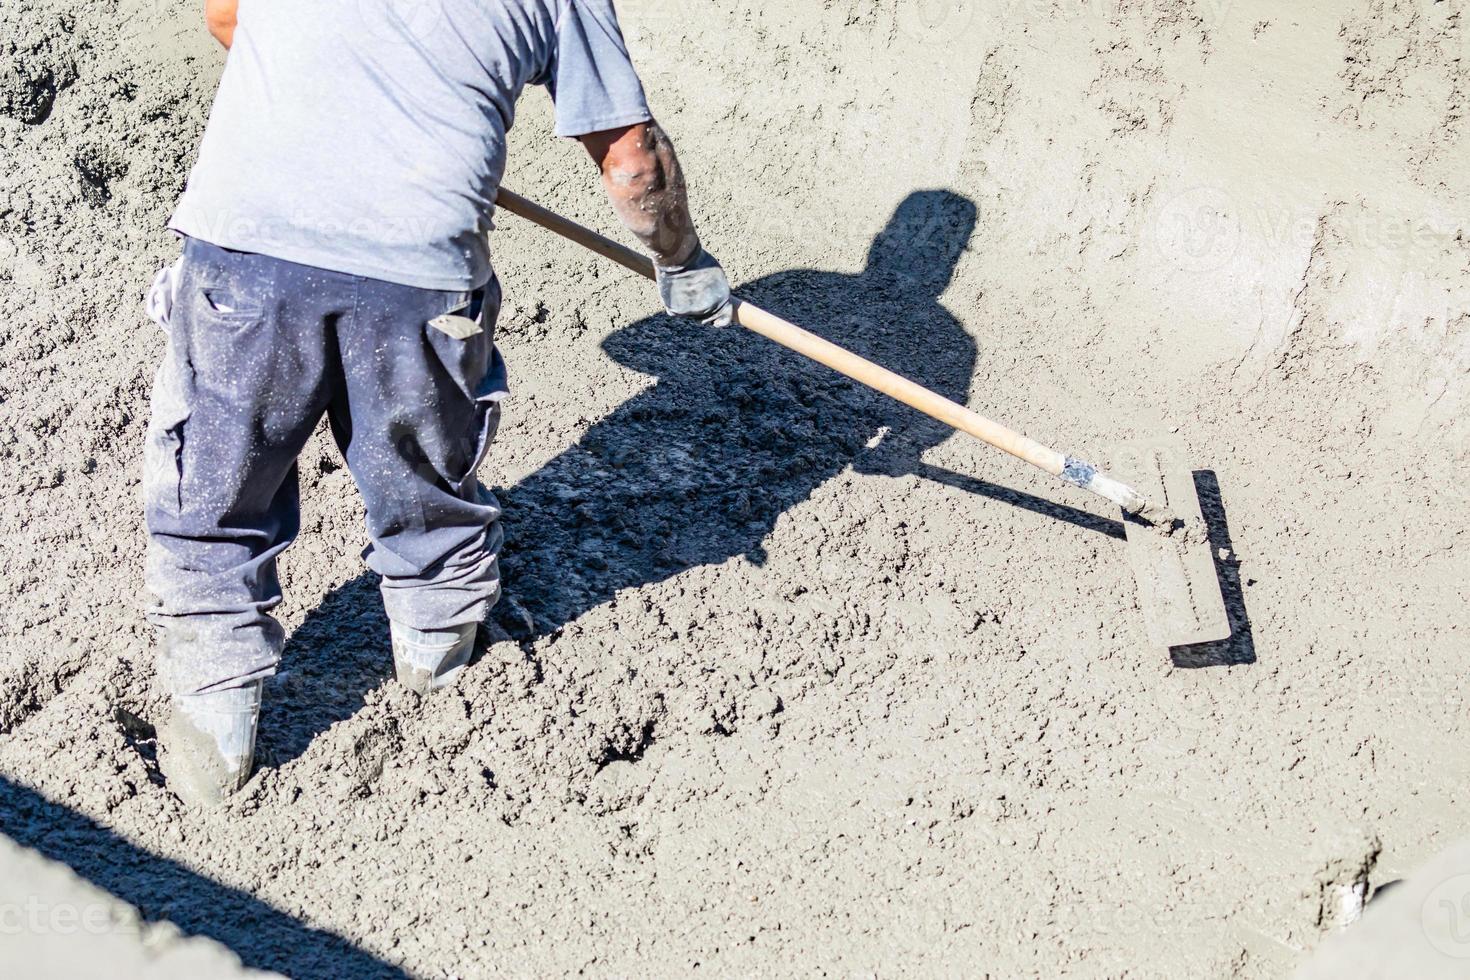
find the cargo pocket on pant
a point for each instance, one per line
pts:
(479, 439)
(463, 341)
(493, 389)
(163, 452)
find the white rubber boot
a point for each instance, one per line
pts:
(429, 660)
(208, 744)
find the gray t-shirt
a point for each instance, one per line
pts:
(368, 136)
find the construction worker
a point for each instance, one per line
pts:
(335, 262)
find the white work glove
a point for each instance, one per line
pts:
(160, 299)
(697, 289)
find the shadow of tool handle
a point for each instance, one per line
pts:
(1017, 498)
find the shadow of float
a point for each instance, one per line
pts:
(1240, 647)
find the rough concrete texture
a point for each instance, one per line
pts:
(1418, 927)
(56, 925)
(798, 681)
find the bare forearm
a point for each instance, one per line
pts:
(646, 187)
(220, 16)
(645, 184)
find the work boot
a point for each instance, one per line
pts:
(428, 660)
(208, 744)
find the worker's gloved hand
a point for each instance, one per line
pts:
(697, 289)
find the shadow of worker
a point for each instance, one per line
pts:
(697, 468)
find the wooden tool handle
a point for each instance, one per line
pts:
(804, 342)
(894, 385)
(602, 245)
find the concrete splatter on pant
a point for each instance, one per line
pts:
(259, 349)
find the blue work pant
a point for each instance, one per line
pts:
(259, 349)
